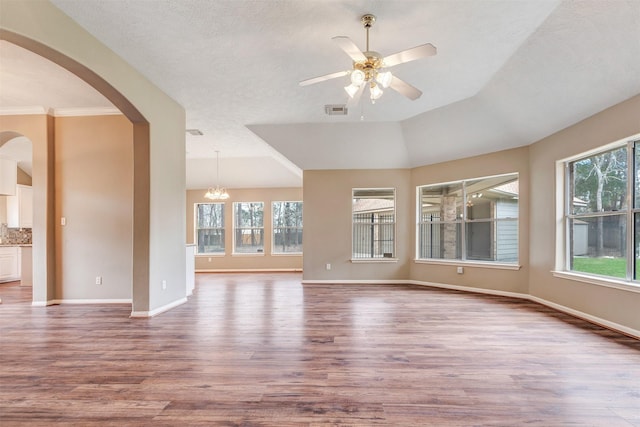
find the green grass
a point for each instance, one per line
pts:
(613, 267)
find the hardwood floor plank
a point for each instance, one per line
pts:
(265, 350)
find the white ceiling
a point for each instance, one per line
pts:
(507, 73)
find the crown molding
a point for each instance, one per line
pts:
(91, 111)
(59, 112)
(22, 111)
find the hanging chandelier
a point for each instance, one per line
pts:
(218, 193)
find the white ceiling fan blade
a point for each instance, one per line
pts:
(352, 102)
(405, 88)
(408, 55)
(350, 48)
(323, 78)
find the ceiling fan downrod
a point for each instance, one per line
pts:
(368, 20)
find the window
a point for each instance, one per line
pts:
(373, 213)
(600, 225)
(248, 227)
(210, 228)
(471, 220)
(287, 227)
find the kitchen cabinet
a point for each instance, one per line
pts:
(20, 208)
(9, 263)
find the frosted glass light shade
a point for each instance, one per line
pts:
(384, 78)
(376, 92)
(351, 90)
(357, 77)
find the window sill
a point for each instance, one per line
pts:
(286, 254)
(495, 265)
(205, 255)
(373, 260)
(248, 254)
(595, 280)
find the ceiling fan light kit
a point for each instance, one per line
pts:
(370, 68)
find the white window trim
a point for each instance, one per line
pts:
(395, 227)
(471, 263)
(562, 233)
(195, 229)
(381, 260)
(484, 264)
(234, 227)
(597, 280)
(273, 228)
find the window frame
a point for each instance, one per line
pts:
(234, 252)
(565, 215)
(394, 257)
(274, 227)
(463, 223)
(196, 228)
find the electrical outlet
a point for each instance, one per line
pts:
(164, 285)
(209, 259)
(98, 280)
(460, 270)
(328, 266)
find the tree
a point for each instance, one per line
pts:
(601, 182)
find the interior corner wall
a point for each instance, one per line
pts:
(230, 262)
(501, 162)
(94, 193)
(23, 178)
(614, 305)
(327, 224)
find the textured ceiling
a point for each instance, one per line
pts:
(507, 73)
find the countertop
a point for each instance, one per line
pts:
(22, 245)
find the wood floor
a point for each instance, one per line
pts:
(264, 350)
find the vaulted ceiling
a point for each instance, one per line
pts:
(507, 74)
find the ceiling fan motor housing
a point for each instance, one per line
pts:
(371, 66)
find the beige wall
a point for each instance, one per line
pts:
(508, 161)
(266, 261)
(619, 306)
(94, 193)
(327, 224)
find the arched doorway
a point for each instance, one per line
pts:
(158, 217)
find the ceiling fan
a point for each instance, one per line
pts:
(370, 68)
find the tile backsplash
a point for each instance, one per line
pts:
(14, 236)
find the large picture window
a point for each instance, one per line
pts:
(248, 227)
(600, 224)
(287, 227)
(470, 220)
(373, 215)
(210, 228)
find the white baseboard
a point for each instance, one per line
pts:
(469, 289)
(250, 270)
(156, 311)
(634, 333)
(79, 301)
(354, 282)
(575, 313)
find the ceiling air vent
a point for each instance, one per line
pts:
(195, 132)
(336, 110)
